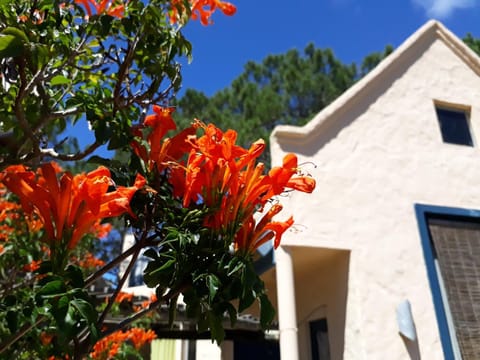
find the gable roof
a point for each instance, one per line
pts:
(427, 34)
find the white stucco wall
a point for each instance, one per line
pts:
(376, 157)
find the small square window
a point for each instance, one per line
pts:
(454, 126)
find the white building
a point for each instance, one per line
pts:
(393, 224)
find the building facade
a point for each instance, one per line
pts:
(383, 262)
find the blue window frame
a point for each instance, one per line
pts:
(427, 215)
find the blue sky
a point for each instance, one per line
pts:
(351, 28)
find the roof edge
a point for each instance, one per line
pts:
(430, 28)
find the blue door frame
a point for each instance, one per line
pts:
(423, 213)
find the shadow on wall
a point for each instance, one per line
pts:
(321, 289)
(412, 347)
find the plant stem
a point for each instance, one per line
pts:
(91, 279)
(119, 288)
(154, 305)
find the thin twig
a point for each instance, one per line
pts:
(119, 287)
(153, 306)
(91, 279)
(70, 157)
(123, 70)
(64, 113)
(18, 107)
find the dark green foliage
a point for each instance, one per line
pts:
(186, 257)
(472, 43)
(105, 70)
(372, 60)
(288, 88)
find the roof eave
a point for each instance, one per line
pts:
(433, 28)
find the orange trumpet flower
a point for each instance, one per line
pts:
(69, 206)
(221, 175)
(201, 9)
(102, 6)
(160, 153)
(228, 180)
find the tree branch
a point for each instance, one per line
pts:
(70, 157)
(92, 278)
(119, 287)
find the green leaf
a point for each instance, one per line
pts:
(70, 323)
(61, 306)
(172, 311)
(164, 267)
(85, 309)
(249, 279)
(246, 300)
(39, 56)
(54, 287)
(267, 312)
(213, 283)
(15, 32)
(46, 4)
(12, 42)
(59, 80)
(95, 159)
(12, 321)
(10, 300)
(10, 46)
(232, 313)
(154, 275)
(234, 266)
(151, 253)
(216, 327)
(76, 276)
(59, 312)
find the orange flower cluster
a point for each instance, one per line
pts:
(109, 346)
(227, 178)
(70, 205)
(46, 338)
(223, 176)
(89, 261)
(37, 18)
(101, 230)
(66, 357)
(123, 296)
(8, 210)
(32, 266)
(108, 7)
(158, 154)
(201, 9)
(140, 337)
(145, 304)
(10, 213)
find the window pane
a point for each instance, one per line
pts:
(454, 127)
(457, 247)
